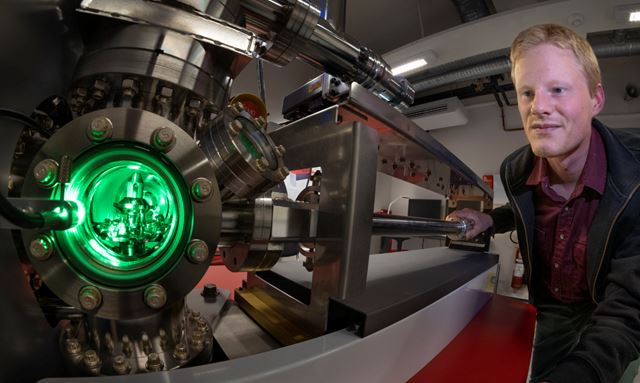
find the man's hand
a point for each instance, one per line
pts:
(479, 221)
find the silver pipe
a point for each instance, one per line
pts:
(334, 11)
(413, 226)
(303, 34)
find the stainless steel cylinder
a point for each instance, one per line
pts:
(413, 226)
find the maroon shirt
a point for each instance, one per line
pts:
(562, 225)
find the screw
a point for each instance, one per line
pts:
(163, 338)
(154, 363)
(100, 129)
(100, 88)
(283, 172)
(129, 87)
(197, 251)
(163, 139)
(108, 341)
(209, 291)
(146, 343)
(121, 365)
(73, 346)
(202, 324)
(195, 315)
(46, 173)
(41, 248)
(155, 296)
(261, 121)
(262, 164)
(197, 340)
(181, 352)
(165, 92)
(92, 362)
(126, 345)
(90, 298)
(235, 127)
(237, 107)
(201, 189)
(279, 150)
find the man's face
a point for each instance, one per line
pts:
(554, 101)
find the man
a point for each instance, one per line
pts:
(574, 198)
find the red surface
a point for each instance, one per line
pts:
(495, 347)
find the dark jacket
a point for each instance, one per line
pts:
(612, 339)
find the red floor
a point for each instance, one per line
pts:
(495, 347)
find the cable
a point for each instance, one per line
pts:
(18, 217)
(24, 119)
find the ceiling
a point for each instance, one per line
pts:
(384, 25)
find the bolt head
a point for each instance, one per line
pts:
(46, 173)
(163, 139)
(41, 248)
(91, 359)
(262, 164)
(155, 296)
(73, 346)
(235, 127)
(283, 172)
(280, 150)
(100, 129)
(201, 189)
(121, 364)
(197, 251)
(181, 352)
(154, 363)
(90, 298)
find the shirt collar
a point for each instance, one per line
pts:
(593, 174)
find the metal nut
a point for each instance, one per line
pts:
(121, 365)
(283, 172)
(261, 121)
(155, 296)
(181, 352)
(235, 127)
(41, 248)
(154, 363)
(46, 173)
(100, 129)
(197, 251)
(73, 346)
(201, 189)
(90, 298)
(280, 150)
(237, 107)
(262, 164)
(163, 139)
(92, 361)
(165, 92)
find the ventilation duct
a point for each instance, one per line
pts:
(470, 10)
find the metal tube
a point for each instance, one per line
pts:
(413, 226)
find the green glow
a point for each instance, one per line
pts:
(134, 215)
(249, 145)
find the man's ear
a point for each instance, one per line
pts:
(597, 100)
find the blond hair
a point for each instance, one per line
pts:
(564, 38)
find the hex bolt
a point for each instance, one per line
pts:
(262, 164)
(121, 365)
(235, 127)
(163, 338)
(202, 324)
(73, 346)
(100, 129)
(283, 172)
(154, 363)
(46, 173)
(209, 291)
(146, 343)
(197, 339)
(92, 362)
(261, 121)
(163, 139)
(279, 150)
(237, 107)
(126, 345)
(108, 342)
(197, 251)
(201, 189)
(129, 87)
(90, 298)
(181, 352)
(155, 296)
(41, 248)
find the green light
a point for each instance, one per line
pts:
(135, 215)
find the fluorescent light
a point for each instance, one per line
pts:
(634, 16)
(411, 65)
